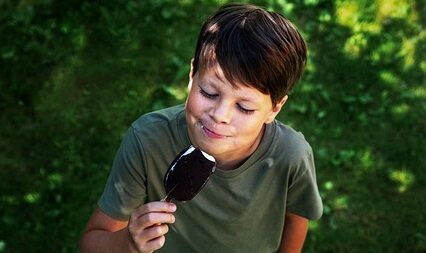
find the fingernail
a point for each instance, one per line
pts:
(172, 207)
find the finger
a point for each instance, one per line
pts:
(154, 232)
(152, 219)
(149, 220)
(152, 207)
(151, 238)
(154, 244)
(158, 206)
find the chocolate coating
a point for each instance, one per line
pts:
(187, 174)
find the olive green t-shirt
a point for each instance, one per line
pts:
(240, 210)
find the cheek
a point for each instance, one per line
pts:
(250, 126)
(193, 104)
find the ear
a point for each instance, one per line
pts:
(277, 108)
(190, 74)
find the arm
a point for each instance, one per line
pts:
(104, 233)
(144, 232)
(295, 230)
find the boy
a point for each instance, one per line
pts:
(264, 188)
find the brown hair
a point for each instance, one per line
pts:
(254, 47)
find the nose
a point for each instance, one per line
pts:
(221, 112)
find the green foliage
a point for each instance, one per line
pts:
(75, 74)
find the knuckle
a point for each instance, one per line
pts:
(132, 232)
(158, 230)
(133, 217)
(154, 232)
(150, 217)
(145, 208)
(132, 229)
(149, 207)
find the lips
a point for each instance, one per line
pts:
(211, 133)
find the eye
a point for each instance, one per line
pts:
(207, 95)
(244, 110)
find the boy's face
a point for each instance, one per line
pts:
(224, 121)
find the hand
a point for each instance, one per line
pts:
(148, 225)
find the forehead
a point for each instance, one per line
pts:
(215, 76)
(215, 73)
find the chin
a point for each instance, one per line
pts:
(213, 149)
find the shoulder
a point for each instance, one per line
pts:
(156, 130)
(290, 142)
(289, 150)
(158, 118)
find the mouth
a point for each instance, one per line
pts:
(211, 133)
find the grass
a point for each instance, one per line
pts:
(74, 75)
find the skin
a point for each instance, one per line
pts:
(228, 123)
(144, 232)
(294, 234)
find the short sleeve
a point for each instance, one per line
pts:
(125, 189)
(303, 195)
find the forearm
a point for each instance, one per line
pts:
(101, 241)
(294, 234)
